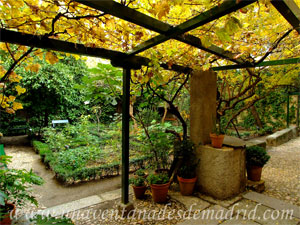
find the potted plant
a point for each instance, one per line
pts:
(159, 184)
(186, 174)
(138, 184)
(141, 173)
(217, 135)
(15, 189)
(256, 158)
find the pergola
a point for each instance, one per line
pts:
(129, 60)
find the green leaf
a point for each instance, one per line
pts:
(232, 25)
(206, 41)
(223, 35)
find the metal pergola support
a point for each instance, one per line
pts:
(265, 63)
(125, 134)
(290, 11)
(288, 107)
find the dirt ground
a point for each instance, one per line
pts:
(52, 193)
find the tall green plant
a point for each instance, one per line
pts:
(15, 185)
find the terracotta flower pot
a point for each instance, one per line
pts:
(139, 191)
(217, 140)
(254, 173)
(7, 218)
(160, 192)
(186, 185)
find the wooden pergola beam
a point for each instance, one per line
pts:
(38, 41)
(118, 59)
(118, 10)
(290, 11)
(216, 12)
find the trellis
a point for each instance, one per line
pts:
(288, 9)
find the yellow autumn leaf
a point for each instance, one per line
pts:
(2, 71)
(13, 77)
(17, 105)
(33, 67)
(4, 105)
(11, 98)
(51, 58)
(3, 46)
(76, 56)
(10, 110)
(20, 90)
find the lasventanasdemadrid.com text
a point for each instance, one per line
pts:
(169, 214)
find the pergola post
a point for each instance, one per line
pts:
(288, 110)
(125, 135)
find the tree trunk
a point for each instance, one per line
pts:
(256, 117)
(46, 118)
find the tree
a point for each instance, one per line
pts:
(51, 92)
(103, 89)
(250, 34)
(50, 88)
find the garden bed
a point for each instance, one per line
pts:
(92, 170)
(78, 154)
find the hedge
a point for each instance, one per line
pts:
(68, 177)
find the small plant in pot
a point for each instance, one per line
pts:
(140, 173)
(159, 184)
(217, 135)
(138, 184)
(256, 158)
(186, 174)
(15, 190)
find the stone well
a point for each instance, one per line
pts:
(221, 172)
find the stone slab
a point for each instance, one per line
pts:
(295, 131)
(112, 195)
(273, 203)
(280, 137)
(71, 206)
(213, 215)
(259, 143)
(224, 203)
(239, 221)
(233, 142)
(253, 211)
(190, 202)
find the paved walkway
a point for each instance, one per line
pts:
(250, 208)
(53, 193)
(279, 204)
(282, 172)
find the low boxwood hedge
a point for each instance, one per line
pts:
(80, 172)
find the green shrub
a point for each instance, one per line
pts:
(137, 181)
(256, 156)
(42, 220)
(140, 172)
(160, 178)
(15, 185)
(40, 146)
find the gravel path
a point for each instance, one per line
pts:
(282, 172)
